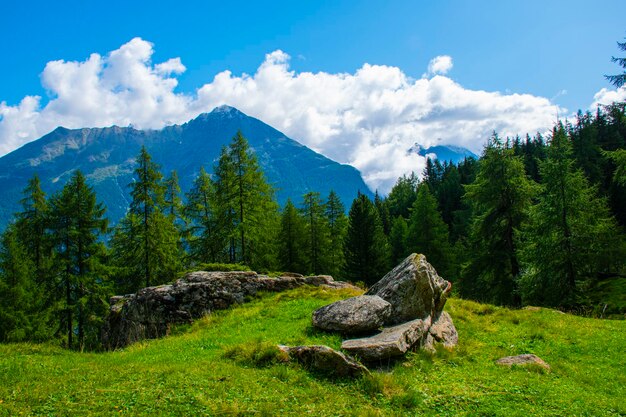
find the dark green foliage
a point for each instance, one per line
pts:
(428, 234)
(77, 222)
(337, 227)
(500, 197)
(618, 80)
(367, 249)
(23, 312)
(398, 240)
(383, 212)
(571, 234)
(247, 213)
(317, 234)
(204, 240)
(402, 196)
(146, 242)
(292, 241)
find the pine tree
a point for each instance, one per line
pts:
(618, 80)
(571, 234)
(247, 212)
(292, 240)
(383, 212)
(428, 233)
(337, 227)
(313, 212)
(205, 243)
(24, 315)
(146, 241)
(500, 197)
(77, 223)
(367, 249)
(398, 240)
(402, 196)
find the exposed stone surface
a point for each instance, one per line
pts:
(414, 290)
(392, 341)
(442, 331)
(324, 359)
(522, 360)
(353, 315)
(150, 312)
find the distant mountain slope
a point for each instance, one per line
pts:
(444, 152)
(106, 156)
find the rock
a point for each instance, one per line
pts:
(392, 341)
(353, 315)
(442, 331)
(414, 290)
(152, 311)
(523, 360)
(326, 360)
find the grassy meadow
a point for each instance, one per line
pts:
(220, 365)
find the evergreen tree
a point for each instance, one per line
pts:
(367, 249)
(77, 223)
(337, 227)
(313, 212)
(292, 240)
(205, 243)
(402, 196)
(398, 240)
(618, 80)
(571, 234)
(247, 212)
(428, 234)
(31, 229)
(500, 197)
(383, 212)
(146, 241)
(24, 315)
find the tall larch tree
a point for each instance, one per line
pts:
(337, 227)
(500, 197)
(205, 243)
(367, 249)
(293, 242)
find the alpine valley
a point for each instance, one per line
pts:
(107, 158)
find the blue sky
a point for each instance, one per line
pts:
(546, 55)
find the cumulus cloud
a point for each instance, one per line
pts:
(606, 96)
(440, 65)
(369, 118)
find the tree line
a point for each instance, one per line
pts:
(532, 221)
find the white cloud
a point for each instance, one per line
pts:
(369, 118)
(440, 65)
(606, 96)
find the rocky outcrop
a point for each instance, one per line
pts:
(392, 341)
(151, 312)
(325, 360)
(416, 295)
(413, 288)
(441, 331)
(523, 360)
(364, 313)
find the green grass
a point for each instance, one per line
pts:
(224, 364)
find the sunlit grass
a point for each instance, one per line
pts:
(224, 365)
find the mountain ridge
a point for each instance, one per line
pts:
(106, 155)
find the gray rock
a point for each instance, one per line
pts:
(441, 331)
(414, 290)
(392, 341)
(523, 360)
(326, 360)
(353, 315)
(151, 312)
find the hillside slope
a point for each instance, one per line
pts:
(106, 156)
(191, 373)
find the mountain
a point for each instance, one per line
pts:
(107, 158)
(444, 152)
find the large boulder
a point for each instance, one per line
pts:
(392, 341)
(442, 331)
(152, 311)
(353, 315)
(326, 360)
(414, 290)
